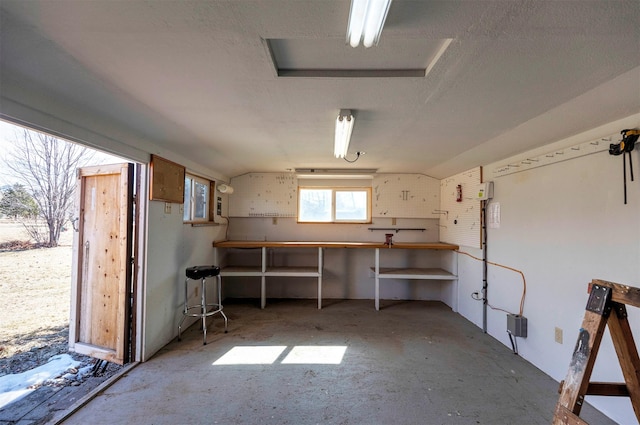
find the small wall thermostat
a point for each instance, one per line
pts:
(484, 191)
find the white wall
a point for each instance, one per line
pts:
(563, 225)
(172, 246)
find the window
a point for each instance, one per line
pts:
(197, 199)
(334, 205)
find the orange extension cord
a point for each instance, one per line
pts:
(524, 282)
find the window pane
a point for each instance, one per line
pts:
(351, 205)
(201, 195)
(315, 205)
(186, 216)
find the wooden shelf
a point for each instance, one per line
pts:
(414, 273)
(293, 271)
(397, 229)
(263, 271)
(320, 244)
(241, 271)
(316, 271)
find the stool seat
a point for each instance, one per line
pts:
(203, 309)
(200, 272)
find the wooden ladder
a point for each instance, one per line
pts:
(606, 306)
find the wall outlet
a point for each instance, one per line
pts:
(167, 207)
(558, 335)
(274, 220)
(393, 221)
(196, 291)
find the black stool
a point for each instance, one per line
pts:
(203, 309)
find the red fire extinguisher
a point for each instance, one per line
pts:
(459, 193)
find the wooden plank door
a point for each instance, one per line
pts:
(101, 288)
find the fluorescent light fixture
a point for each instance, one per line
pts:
(323, 171)
(335, 173)
(366, 20)
(335, 177)
(344, 127)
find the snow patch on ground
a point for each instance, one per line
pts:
(59, 368)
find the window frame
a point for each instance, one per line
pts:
(190, 200)
(334, 190)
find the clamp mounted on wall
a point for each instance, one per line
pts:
(626, 146)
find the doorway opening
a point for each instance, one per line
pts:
(37, 235)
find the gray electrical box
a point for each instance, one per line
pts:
(517, 325)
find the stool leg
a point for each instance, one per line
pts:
(184, 311)
(204, 312)
(220, 303)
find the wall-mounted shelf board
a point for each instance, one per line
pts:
(558, 155)
(397, 229)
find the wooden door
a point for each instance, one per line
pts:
(101, 299)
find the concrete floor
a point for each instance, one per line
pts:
(412, 362)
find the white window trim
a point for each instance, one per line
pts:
(335, 189)
(208, 215)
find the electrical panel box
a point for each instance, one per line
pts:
(517, 325)
(484, 191)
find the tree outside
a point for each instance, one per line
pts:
(16, 202)
(46, 167)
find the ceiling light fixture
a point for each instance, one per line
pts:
(344, 127)
(335, 173)
(366, 20)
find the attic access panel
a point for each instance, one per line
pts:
(333, 58)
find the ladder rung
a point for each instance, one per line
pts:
(608, 389)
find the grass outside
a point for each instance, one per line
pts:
(35, 287)
(34, 295)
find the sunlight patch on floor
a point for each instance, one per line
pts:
(309, 354)
(251, 355)
(301, 354)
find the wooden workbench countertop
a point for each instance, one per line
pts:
(320, 244)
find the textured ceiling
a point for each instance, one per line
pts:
(198, 77)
